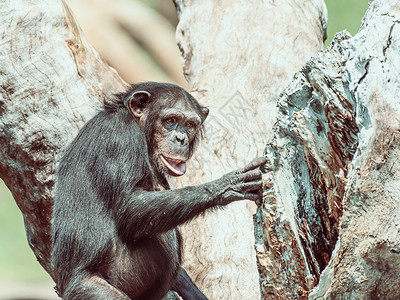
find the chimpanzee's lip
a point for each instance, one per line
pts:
(176, 167)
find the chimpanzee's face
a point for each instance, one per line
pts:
(174, 134)
(171, 120)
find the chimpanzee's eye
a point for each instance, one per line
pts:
(170, 120)
(190, 125)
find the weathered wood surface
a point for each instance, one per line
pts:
(314, 142)
(335, 151)
(366, 261)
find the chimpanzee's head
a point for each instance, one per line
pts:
(171, 120)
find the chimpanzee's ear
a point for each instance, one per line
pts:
(204, 111)
(138, 102)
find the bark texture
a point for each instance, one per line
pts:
(51, 80)
(334, 180)
(366, 260)
(237, 57)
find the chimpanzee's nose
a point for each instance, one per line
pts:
(181, 138)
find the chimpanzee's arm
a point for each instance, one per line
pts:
(186, 288)
(145, 213)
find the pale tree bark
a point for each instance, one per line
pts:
(366, 260)
(333, 172)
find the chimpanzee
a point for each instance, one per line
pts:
(115, 217)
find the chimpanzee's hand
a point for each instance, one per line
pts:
(242, 184)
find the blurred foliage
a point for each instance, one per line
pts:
(344, 14)
(17, 262)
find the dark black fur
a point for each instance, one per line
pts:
(114, 227)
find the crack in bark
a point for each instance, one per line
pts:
(366, 68)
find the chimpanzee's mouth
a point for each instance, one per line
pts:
(176, 167)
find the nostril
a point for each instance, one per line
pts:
(180, 139)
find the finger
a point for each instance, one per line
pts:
(255, 185)
(231, 196)
(237, 177)
(255, 163)
(251, 175)
(246, 177)
(251, 196)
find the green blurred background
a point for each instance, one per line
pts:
(344, 15)
(17, 262)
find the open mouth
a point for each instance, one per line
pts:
(176, 167)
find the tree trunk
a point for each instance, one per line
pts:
(332, 183)
(366, 260)
(334, 172)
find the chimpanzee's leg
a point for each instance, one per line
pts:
(185, 287)
(92, 288)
